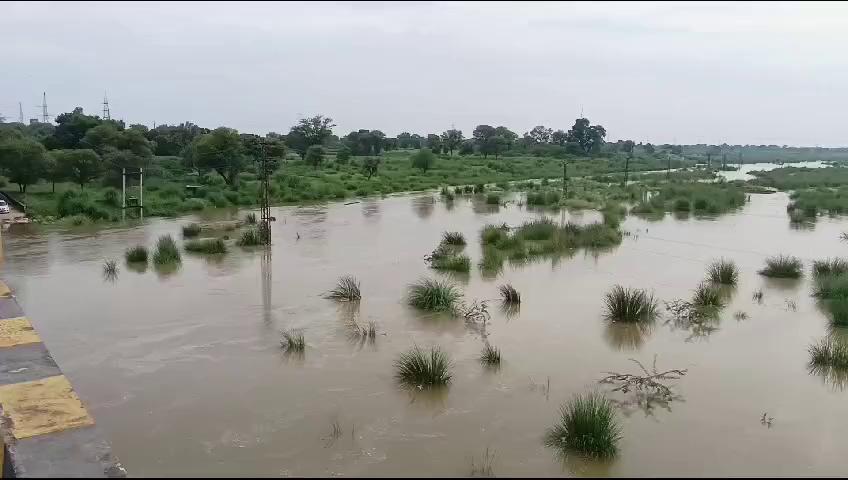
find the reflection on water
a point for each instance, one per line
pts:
(423, 206)
(194, 353)
(627, 337)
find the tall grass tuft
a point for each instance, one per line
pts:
(249, 238)
(453, 238)
(707, 295)
(783, 266)
(630, 305)
(490, 356)
(435, 295)
(509, 294)
(831, 287)
(829, 352)
(250, 218)
(166, 251)
(110, 268)
(208, 246)
(587, 426)
(347, 289)
(830, 266)
(493, 234)
(293, 341)
(723, 271)
(191, 230)
(417, 367)
(454, 263)
(136, 254)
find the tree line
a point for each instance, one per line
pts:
(81, 148)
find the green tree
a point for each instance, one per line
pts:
(483, 135)
(452, 139)
(649, 149)
(423, 159)
(315, 155)
(540, 134)
(71, 128)
(627, 147)
(370, 166)
(434, 142)
(343, 155)
(588, 137)
(24, 161)
(308, 132)
(221, 151)
(53, 170)
(559, 138)
(466, 148)
(80, 166)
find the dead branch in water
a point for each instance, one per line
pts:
(651, 381)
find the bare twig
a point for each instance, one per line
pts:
(651, 381)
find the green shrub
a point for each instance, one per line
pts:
(194, 204)
(417, 368)
(435, 295)
(136, 254)
(587, 426)
(207, 246)
(630, 305)
(166, 251)
(783, 267)
(723, 271)
(191, 230)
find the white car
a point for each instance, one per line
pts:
(4, 207)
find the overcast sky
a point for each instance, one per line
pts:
(773, 73)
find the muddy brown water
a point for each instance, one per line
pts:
(185, 372)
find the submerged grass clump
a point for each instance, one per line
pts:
(723, 271)
(249, 238)
(830, 266)
(434, 295)
(453, 238)
(831, 287)
(490, 356)
(783, 266)
(166, 251)
(707, 296)
(110, 268)
(509, 294)
(454, 263)
(191, 230)
(630, 305)
(250, 218)
(136, 254)
(587, 426)
(493, 234)
(421, 368)
(208, 246)
(829, 352)
(293, 341)
(347, 289)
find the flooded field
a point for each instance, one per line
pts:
(186, 375)
(743, 173)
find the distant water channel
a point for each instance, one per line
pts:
(185, 373)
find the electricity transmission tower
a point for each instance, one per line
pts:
(265, 201)
(20, 112)
(106, 114)
(44, 115)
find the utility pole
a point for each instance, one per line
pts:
(44, 115)
(668, 167)
(626, 167)
(265, 201)
(564, 177)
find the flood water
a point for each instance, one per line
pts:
(185, 372)
(744, 171)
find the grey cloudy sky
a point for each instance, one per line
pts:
(698, 72)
